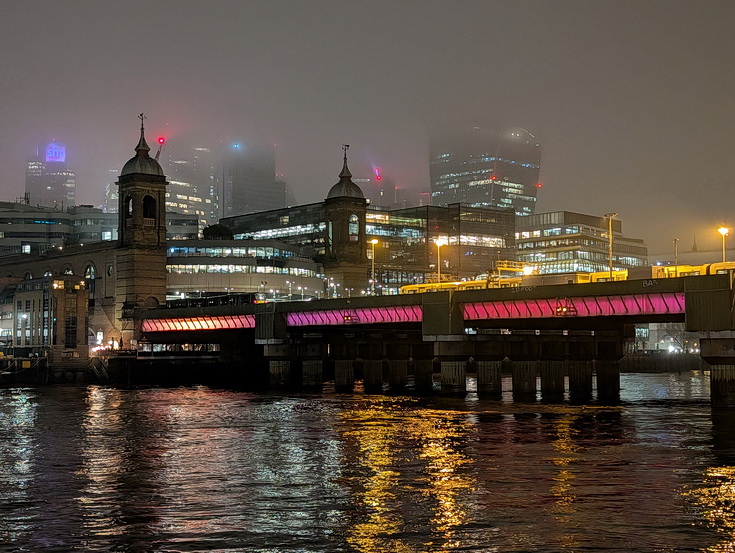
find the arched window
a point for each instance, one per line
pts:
(90, 273)
(68, 270)
(128, 207)
(149, 207)
(353, 228)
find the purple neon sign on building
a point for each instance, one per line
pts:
(55, 152)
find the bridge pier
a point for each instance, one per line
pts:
(608, 380)
(552, 380)
(344, 376)
(489, 382)
(423, 376)
(580, 381)
(372, 375)
(311, 375)
(454, 378)
(453, 355)
(719, 354)
(397, 354)
(523, 374)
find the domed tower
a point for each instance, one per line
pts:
(346, 254)
(141, 254)
(142, 198)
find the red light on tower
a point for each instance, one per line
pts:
(378, 176)
(493, 178)
(539, 185)
(161, 140)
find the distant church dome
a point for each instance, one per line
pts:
(142, 162)
(345, 186)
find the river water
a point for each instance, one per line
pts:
(197, 469)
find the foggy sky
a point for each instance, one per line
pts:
(633, 102)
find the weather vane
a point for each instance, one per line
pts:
(345, 147)
(141, 117)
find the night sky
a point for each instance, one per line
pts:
(633, 102)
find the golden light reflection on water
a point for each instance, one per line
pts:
(562, 490)
(413, 459)
(717, 501)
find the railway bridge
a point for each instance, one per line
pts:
(552, 332)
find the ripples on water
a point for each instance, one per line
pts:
(99, 469)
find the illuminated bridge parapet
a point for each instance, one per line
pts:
(360, 315)
(667, 303)
(223, 322)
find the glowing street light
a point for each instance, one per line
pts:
(372, 259)
(724, 232)
(609, 217)
(676, 257)
(439, 243)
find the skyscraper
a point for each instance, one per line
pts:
(49, 182)
(249, 182)
(484, 168)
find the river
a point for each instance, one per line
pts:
(198, 469)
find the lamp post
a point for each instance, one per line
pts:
(439, 243)
(676, 257)
(609, 217)
(372, 264)
(723, 231)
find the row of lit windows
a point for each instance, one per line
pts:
(238, 269)
(283, 232)
(246, 251)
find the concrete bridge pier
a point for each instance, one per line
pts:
(489, 383)
(311, 375)
(580, 380)
(397, 354)
(552, 379)
(372, 359)
(719, 354)
(489, 355)
(453, 357)
(344, 376)
(423, 368)
(423, 376)
(524, 374)
(308, 367)
(279, 358)
(607, 372)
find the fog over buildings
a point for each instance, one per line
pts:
(633, 103)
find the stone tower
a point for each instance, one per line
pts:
(140, 261)
(346, 252)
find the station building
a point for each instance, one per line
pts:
(398, 245)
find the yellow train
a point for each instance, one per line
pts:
(516, 279)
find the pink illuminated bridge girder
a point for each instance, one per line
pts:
(225, 322)
(362, 315)
(591, 306)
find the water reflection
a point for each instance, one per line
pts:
(411, 479)
(196, 469)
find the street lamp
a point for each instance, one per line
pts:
(676, 257)
(372, 260)
(439, 243)
(723, 231)
(609, 217)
